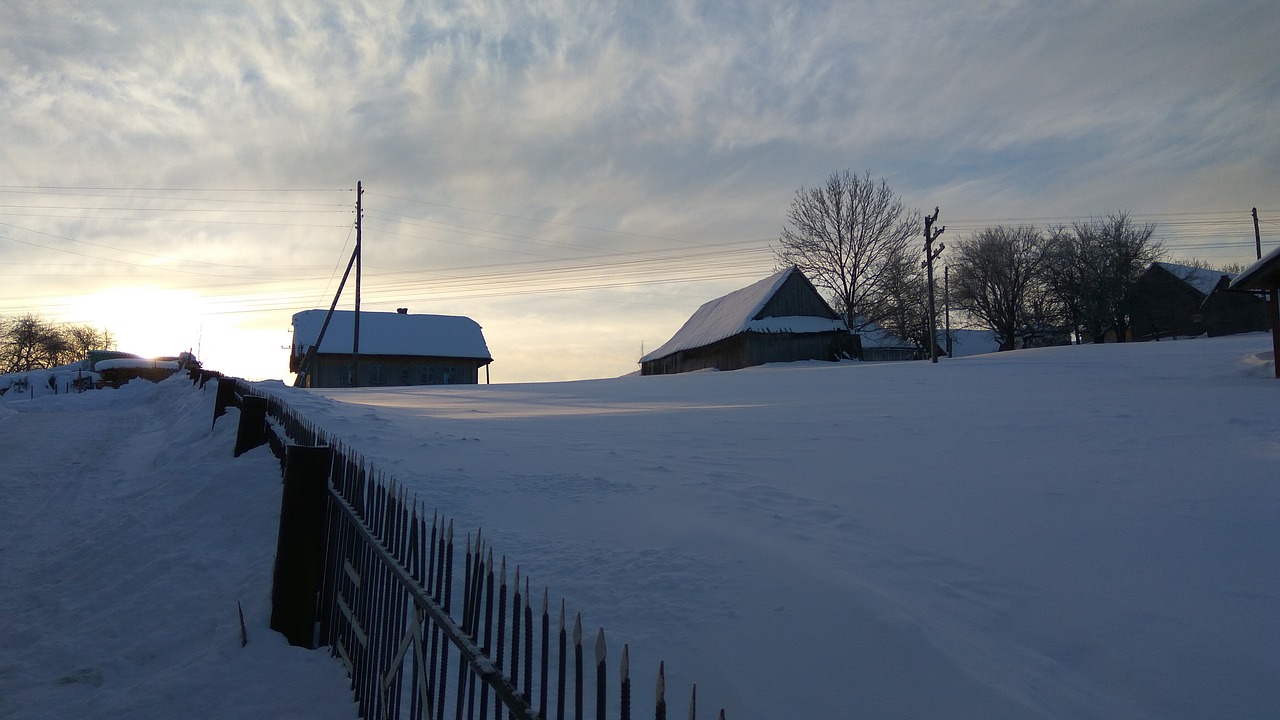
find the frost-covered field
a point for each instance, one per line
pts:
(1082, 532)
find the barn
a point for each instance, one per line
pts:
(1172, 300)
(395, 349)
(781, 318)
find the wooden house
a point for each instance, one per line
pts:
(1264, 277)
(1165, 302)
(395, 349)
(782, 318)
(1230, 312)
(1171, 300)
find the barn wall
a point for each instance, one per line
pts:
(1229, 313)
(749, 349)
(797, 298)
(1162, 305)
(395, 370)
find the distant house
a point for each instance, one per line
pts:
(1171, 300)
(779, 319)
(880, 345)
(395, 349)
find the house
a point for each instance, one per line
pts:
(1172, 300)
(1165, 301)
(1228, 311)
(880, 345)
(395, 349)
(781, 318)
(1264, 276)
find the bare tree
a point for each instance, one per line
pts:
(997, 279)
(844, 235)
(30, 342)
(901, 303)
(1094, 266)
(81, 338)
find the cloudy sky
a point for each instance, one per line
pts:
(579, 176)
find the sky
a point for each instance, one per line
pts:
(578, 177)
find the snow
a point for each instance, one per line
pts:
(729, 315)
(1248, 280)
(134, 363)
(391, 334)
(874, 336)
(1201, 279)
(795, 324)
(973, 342)
(1073, 532)
(127, 537)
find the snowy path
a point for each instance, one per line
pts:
(127, 536)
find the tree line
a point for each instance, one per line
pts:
(857, 241)
(30, 342)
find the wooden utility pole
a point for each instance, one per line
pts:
(929, 256)
(355, 341)
(946, 303)
(1257, 236)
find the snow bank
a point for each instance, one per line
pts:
(127, 538)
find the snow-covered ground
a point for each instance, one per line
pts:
(1076, 532)
(127, 537)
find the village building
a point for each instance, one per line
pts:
(1171, 300)
(880, 345)
(782, 318)
(1264, 277)
(395, 349)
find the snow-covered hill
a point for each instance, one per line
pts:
(1077, 532)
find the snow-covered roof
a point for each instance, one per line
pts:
(973, 342)
(1199, 278)
(1261, 275)
(383, 333)
(874, 336)
(735, 313)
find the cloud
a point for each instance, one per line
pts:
(525, 134)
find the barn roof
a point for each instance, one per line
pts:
(383, 333)
(1262, 275)
(737, 312)
(1201, 279)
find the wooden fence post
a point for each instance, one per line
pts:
(225, 398)
(300, 548)
(253, 424)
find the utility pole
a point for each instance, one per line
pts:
(929, 256)
(946, 303)
(1257, 236)
(355, 341)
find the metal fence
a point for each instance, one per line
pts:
(364, 569)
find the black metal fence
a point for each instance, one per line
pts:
(364, 569)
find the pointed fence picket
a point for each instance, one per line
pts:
(386, 604)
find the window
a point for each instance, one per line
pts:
(428, 375)
(450, 375)
(378, 375)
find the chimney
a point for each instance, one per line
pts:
(402, 311)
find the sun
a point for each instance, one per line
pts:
(146, 321)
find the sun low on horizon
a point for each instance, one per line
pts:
(159, 322)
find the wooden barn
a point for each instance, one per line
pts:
(1264, 277)
(1230, 312)
(779, 319)
(395, 349)
(1171, 300)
